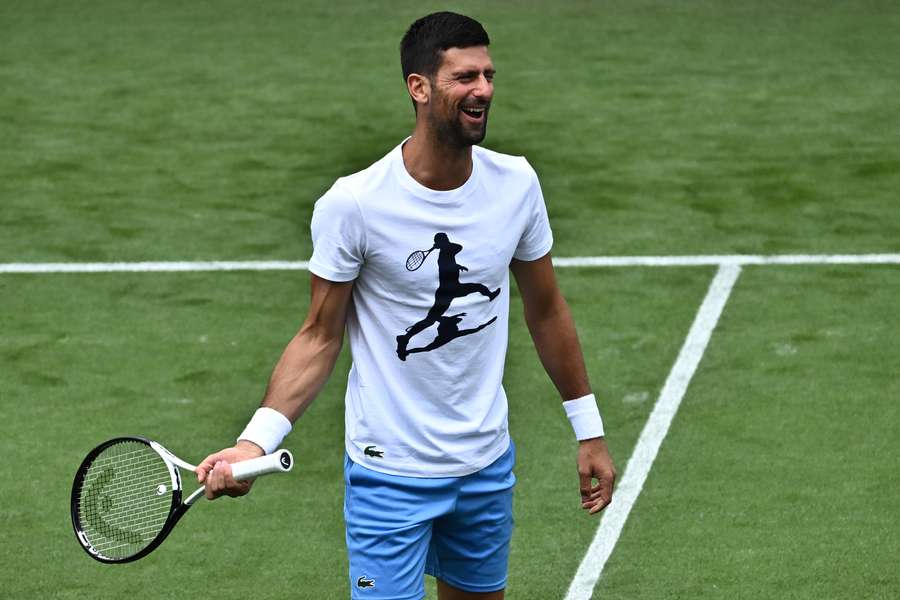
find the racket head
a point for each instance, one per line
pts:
(126, 497)
(415, 260)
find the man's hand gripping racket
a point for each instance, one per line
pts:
(215, 471)
(127, 493)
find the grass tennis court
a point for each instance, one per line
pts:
(164, 131)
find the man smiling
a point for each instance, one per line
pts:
(429, 459)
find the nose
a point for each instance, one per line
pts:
(485, 88)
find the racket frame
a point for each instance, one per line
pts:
(176, 510)
(278, 461)
(424, 253)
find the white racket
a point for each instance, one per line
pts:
(127, 495)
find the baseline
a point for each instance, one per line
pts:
(575, 261)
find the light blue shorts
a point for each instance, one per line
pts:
(457, 529)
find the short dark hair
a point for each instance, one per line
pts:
(422, 48)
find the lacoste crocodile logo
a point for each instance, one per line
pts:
(364, 582)
(371, 451)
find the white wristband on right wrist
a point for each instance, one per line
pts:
(585, 417)
(266, 429)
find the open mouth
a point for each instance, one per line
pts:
(475, 113)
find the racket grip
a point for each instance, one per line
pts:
(280, 461)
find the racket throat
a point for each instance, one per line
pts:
(196, 495)
(168, 456)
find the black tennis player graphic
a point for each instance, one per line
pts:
(449, 287)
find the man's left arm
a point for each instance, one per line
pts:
(556, 340)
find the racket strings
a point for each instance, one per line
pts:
(126, 458)
(415, 260)
(125, 499)
(133, 486)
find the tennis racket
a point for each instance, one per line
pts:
(127, 495)
(415, 260)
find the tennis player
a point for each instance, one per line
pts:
(429, 459)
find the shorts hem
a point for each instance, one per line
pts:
(469, 587)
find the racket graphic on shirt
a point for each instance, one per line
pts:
(415, 260)
(127, 495)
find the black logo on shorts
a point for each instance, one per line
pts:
(449, 288)
(371, 451)
(364, 582)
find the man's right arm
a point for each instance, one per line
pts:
(309, 358)
(299, 375)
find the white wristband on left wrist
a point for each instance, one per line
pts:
(585, 417)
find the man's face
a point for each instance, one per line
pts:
(462, 91)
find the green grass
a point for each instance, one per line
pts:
(778, 478)
(183, 358)
(169, 131)
(172, 131)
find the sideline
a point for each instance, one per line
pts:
(651, 438)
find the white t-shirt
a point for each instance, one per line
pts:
(429, 403)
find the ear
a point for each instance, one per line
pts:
(419, 88)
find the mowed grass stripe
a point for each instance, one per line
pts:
(778, 479)
(133, 129)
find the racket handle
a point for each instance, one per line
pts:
(280, 461)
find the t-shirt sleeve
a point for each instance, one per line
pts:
(338, 236)
(537, 238)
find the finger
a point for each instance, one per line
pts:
(218, 478)
(601, 492)
(591, 504)
(587, 502)
(228, 479)
(204, 468)
(593, 499)
(599, 506)
(605, 487)
(594, 505)
(230, 486)
(213, 488)
(585, 486)
(601, 502)
(595, 495)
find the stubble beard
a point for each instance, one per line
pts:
(452, 133)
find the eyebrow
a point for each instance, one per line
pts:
(465, 72)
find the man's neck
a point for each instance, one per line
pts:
(434, 164)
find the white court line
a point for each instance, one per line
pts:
(575, 261)
(155, 267)
(728, 259)
(654, 432)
